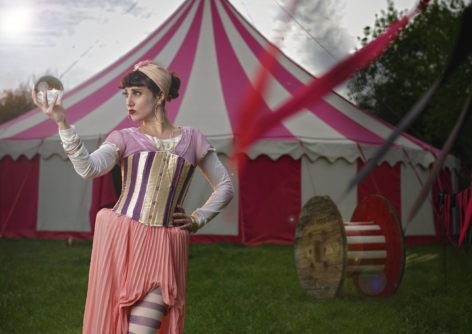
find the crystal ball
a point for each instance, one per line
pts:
(50, 85)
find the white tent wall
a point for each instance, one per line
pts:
(322, 177)
(225, 223)
(423, 222)
(64, 197)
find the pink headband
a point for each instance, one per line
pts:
(161, 77)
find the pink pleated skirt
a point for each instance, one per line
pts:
(128, 260)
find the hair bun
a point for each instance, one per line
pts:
(174, 87)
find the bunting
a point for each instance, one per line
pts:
(446, 204)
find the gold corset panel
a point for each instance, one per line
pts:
(153, 183)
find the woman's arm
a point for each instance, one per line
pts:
(88, 166)
(220, 181)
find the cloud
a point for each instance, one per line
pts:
(76, 38)
(315, 34)
(51, 20)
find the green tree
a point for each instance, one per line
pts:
(393, 83)
(15, 102)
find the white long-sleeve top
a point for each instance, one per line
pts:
(102, 160)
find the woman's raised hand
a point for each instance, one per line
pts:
(54, 111)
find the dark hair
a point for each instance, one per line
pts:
(139, 79)
(174, 87)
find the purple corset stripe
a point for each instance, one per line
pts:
(132, 185)
(185, 185)
(170, 198)
(142, 190)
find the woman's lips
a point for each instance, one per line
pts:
(132, 111)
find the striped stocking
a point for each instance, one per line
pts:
(146, 314)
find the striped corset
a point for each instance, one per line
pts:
(153, 183)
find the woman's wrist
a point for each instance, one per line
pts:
(195, 226)
(64, 125)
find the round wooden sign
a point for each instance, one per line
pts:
(320, 252)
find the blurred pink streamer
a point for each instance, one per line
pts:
(251, 106)
(312, 93)
(468, 213)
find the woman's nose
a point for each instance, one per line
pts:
(129, 100)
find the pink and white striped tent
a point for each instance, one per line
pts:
(216, 52)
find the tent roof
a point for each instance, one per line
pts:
(215, 52)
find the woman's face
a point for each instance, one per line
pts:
(140, 102)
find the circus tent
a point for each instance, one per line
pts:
(215, 52)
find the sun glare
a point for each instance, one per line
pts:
(14, 21)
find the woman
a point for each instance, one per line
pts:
(138, 266)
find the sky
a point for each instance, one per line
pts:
(74, 39)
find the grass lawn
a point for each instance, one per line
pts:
(237, 289)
